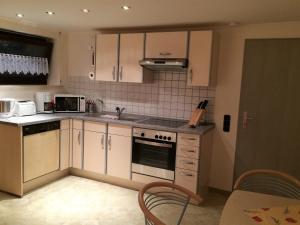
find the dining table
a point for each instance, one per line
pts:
(239, 202)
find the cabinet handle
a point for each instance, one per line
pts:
(190, 139)
(187, 162)
(121, 73)
(114, 73)
(102, 141)
(109, 142)
(185, 150)
(93, 58)
(165, 53)
(78, 137)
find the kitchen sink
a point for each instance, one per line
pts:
(122, 118)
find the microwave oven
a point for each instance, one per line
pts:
(69, 103)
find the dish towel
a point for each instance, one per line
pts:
(285, 215)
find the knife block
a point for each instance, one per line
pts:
(196, 117)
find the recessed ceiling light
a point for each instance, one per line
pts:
(19, 15)
(50, 13)
(126, 7)
(85, 10)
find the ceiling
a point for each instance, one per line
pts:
(143, 13)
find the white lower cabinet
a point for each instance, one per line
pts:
(64, 144)
(77, 143)
(119, 151)
(94, 147)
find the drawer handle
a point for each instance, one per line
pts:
(190, 139)
(187, 174)
(192, 151)
(188, 163)
(165, 53)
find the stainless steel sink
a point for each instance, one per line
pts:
(122, 118)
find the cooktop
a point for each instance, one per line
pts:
(164, 122)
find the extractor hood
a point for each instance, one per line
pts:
(164, 64)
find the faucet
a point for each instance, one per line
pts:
(119, 112)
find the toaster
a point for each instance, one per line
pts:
(24, 108)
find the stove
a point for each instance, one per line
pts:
(164, 122)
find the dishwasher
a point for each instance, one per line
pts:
(40, 149)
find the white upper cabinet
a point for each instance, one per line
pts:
(166, 44)
(81, 53)
(131, 52)
(200, 56)
(107, 57)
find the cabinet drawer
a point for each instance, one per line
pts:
(146, 179)
(188, 151)
(94, 126)
(77, 124)
(120, 130)
(64, 124)
(188, 139)
(187, 179)
(186, 163)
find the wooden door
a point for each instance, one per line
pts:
(77, 148)
(131, 52)
(269, 122)
(200, 54)
(94, 152)
(166, 45)
(107, 57)
(41, 154)
(119, 156)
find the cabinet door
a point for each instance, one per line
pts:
(81, 53)
(131, 52)
(64, 149)
(166, 45)
(119, 156)
(107, 57)
(41, 154)
(200, 54)
(94, 152)
(77, 149)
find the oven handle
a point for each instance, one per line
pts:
(153, 143)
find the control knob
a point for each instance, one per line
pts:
(169, 138)
(165, 137)
(142, 134)
(156, 136)
(160, 137)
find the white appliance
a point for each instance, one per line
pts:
(24, 108)
(69, 103)
(43, 100)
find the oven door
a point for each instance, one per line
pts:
(154, 158)
(67, 104)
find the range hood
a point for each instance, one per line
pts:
(164, 64)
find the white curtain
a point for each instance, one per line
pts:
(23, 64)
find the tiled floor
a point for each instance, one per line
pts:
(79, 201)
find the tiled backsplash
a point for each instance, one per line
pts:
(167, 96)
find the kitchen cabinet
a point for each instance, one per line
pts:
(64, 144)
(81, 53)
(41, 154)
(193, 158)
(200, 58)
(166, 44)
(77, 143)
(94, 147)
(107, 57)
(119, 151)
(131, 52)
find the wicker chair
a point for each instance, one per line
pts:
(163, 193)
(269, 182)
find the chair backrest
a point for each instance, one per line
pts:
(155, 194)
(269, 182)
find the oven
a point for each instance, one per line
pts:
(154, 153)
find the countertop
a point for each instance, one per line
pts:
(42, 118)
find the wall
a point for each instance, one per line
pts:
(58, 65)
(167, 96)
(228, 91)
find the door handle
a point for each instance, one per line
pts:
(121, 73)
(114, 72)
(109, 142)
(102, 141)
(246, 118)
(78, 137)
